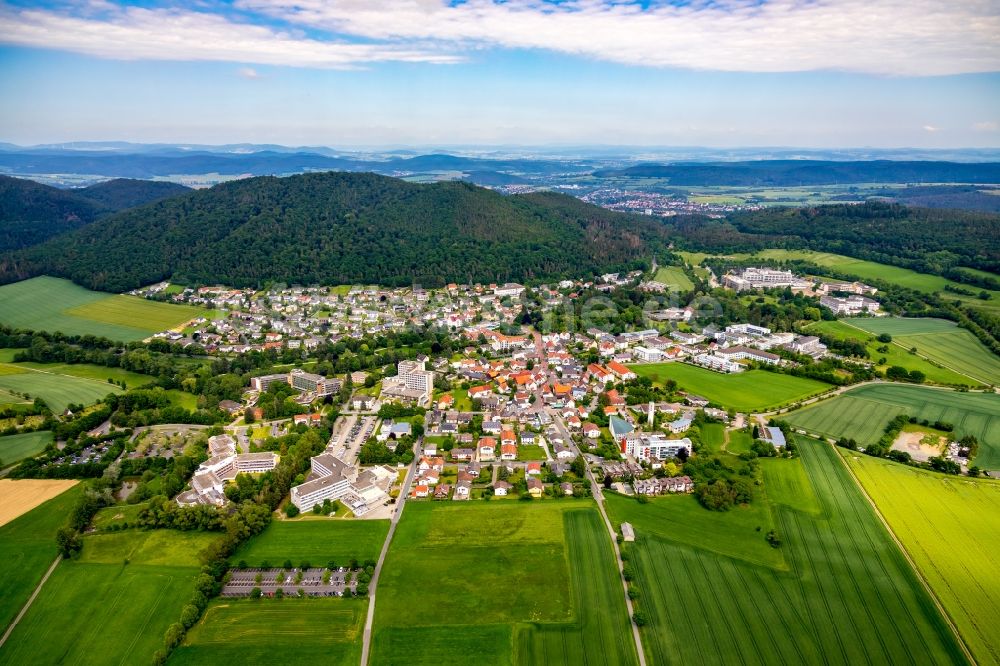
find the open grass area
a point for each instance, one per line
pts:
(950, 526)
(315, 541)
(941, 341)
(98, 373)
(753, 390)
(276, 631)
(27, 549)
(14, 448)
(674, 277)
(57, 391)
(52, 304)
(506, 583)
(119, 597)
(847, 596)
(863, 413)
(530, 452)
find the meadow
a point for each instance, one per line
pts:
(52, 304)
(58, 391)
(119, 597)
(14, 448)
(750, 391)
(97, 373)
(939, 340)
(27, 549)
(862, 414)
(840, 599)
(501, 583)
(950, 526)
(266, 631)
(316, 541)
(674, 277)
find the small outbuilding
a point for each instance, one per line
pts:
(627, 532)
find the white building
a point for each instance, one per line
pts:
(763, 278)
(850, 305)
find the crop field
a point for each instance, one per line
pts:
(508, 583)
(276, 631)
(674, 277)
(119, 596)
(863, 413)
(58, 391)
(315, 541)
(950, 526)
(941, 341)
(52, 304)
(14, 448)
(27, 549)
(753, 390)
(839, 601)
(19, 496)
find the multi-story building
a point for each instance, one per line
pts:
(412, 383)
(763, 278)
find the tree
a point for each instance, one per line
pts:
(291, 510)
(255, 593)
(608, 481)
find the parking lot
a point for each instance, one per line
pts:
(242, 581)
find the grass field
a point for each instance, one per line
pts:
(502, 583)
(119, 598)
(863, 413)
(848, 595)
(674, 277)
(272, 631)
(58, 391)
(530, 452)
(27, 548)
(52, 304)
(939, 340)
(950, 526)
(753, 390)
(14, 448)
(316, 541)
(98, 373)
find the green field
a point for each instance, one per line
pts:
(27, 549)
(940, 341)
(272, 631)
(501, 583)
(98, 373)
(14, 448)
(57, 391)
(674, 277)
(52, 304)
(862, 414)
(315, 541)
(530, 452)
(894, 355)
(848, 596)
(119, 598)
(753, 390)
(950, 527)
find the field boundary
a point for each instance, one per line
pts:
(906, 554)
(31, 599)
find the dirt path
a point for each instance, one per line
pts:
(31, 600)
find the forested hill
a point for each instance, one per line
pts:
(31, 212)
(343, 228)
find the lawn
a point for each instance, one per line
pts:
(503, 583)
(52, 304)
(119, 597)
(862, 414)
(750, 391)
(27, 548)
(275, 631)
(941, 341)
(58, 391)
(674, 277)
(98, 373)
(14, 448)
(530, 452)
(950, 526)
(315, 541)
(847, 596)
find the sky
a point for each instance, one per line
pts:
(340, 73)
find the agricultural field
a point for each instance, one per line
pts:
(674, 277)
(941, 341)
(275, 631)
(750, 391)
(512, 583)
(28, 548)
(15, 448)
(950, 527)
(120, 595)
(862, 414)
(839, 599)
(316, 541)
(52, 304)
(894, 355)
(58, 391)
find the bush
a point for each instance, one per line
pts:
(291, 510)
(639, 618)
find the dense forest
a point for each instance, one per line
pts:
(338, 228)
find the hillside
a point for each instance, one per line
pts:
(343, 228)
(122, 193)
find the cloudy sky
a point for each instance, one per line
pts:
(823, 73)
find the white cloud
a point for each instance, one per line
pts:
(249, 73)
(987, 126)
(931, 128)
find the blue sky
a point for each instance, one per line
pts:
(811, 73)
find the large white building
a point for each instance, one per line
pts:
(649, 447)
(331, 478)
(850, 305)
(412, 383)
(210, 478)
(763, 278)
